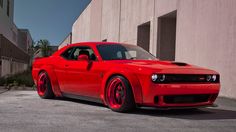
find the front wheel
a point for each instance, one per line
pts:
(44, 87)
(119, 95)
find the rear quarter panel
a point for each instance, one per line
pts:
(47, 65)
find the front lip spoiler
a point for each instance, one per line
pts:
(183, 107)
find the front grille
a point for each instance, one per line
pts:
(187, 78)
(180, 99)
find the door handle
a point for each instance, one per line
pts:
(66, 65)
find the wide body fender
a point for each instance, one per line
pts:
(53, 79)
(130, 76)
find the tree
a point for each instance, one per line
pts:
(44, 46)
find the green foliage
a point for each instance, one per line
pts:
(44, 45)
(20, 79)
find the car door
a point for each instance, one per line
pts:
(60, 69)
(83, 77)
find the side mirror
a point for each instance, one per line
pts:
(83, 58)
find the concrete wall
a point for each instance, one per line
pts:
(205, 30)
(133, 14)
(96, 20)
(110, 20)
(4, 9)
(113, 20)
(5, 67)
(162, 7)
(66, 41)
(14, 43)
(81, 28)
(206, 36)
(7, 26)
(9, 67)
(24, 40)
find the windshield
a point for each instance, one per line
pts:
(123, 52)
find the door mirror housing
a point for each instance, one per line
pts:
(83, 58)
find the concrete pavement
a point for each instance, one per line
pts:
(24, 111)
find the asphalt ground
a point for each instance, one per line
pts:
(24, 111)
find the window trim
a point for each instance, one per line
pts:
(74, 48)
(62, 54)
(100, 53)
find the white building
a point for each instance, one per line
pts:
(66, 41)
(200, 32)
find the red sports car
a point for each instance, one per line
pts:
(123, 77)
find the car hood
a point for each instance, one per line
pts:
(163, 67)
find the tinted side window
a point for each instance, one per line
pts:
(67, 53)
(112, 52)
(123, 52)
(73, 53)
(83, 50)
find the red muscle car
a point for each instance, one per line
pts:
(123, 77)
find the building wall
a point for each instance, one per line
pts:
(96, 20)
(66, 41)
(110, 20)
(9, 67)
(14, 43)
(12, 59)
(81, 28)
(7, 26)
(205, 30)
(133, 14)
(206, 36)
(24, 40)
(5, 67)
(162, 7)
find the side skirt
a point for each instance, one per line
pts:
(81, 97)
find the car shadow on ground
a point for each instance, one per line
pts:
(191, 114)
(80, 101)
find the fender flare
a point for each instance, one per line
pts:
(131, 77)
(53, 79)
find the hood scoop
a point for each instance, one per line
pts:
(179, 63)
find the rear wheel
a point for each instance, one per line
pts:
(119, 95)
(44, 88)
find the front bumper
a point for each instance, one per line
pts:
(180, 95)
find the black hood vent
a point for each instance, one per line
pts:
(179, 63)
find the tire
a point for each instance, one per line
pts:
(44, 87)
(119, 95)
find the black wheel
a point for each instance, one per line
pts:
(44, 87)
(119, 95)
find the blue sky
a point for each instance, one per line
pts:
(48, 19)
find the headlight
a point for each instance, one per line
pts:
(211, 78)
(154, 77)
(208, 78)
(158, 78)
(214, 77)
